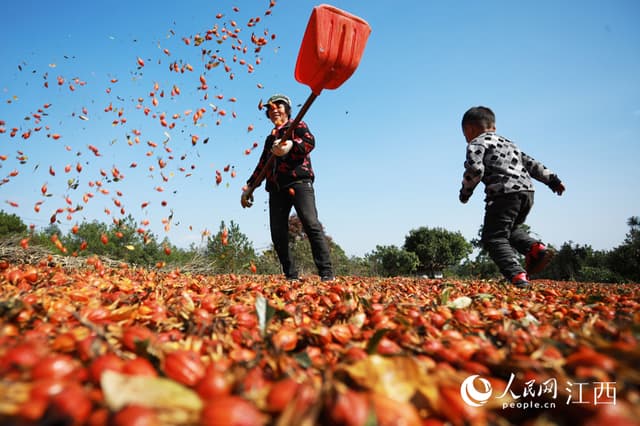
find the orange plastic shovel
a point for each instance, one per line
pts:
(330, 52)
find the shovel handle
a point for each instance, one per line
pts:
(287, 135)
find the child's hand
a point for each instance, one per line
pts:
(558, 188)
(556, 185)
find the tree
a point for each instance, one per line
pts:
(130, 243)
(230, 251)
(301, 251)
(87, 236)
(10, 224)
(625, 259)
(267, 263)
(482, 266)
(436, 248)
(568, 262)
(391, 261)
(123, 241)
(47, 236)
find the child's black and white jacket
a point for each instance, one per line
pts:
(502, 167)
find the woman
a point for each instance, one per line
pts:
(289, 182)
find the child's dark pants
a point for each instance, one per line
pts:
(502, 233)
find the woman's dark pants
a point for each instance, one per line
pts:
(302, 198)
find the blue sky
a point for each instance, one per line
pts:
(562, 78)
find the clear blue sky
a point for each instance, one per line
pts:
(562, 77)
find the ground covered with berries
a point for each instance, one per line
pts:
(102, 344)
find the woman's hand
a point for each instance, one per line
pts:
(281, 148)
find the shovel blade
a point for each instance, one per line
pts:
(332, 46)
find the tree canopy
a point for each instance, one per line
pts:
(425, 251)
(436, 248)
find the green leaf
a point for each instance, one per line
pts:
(365, 303)
(265, 313)
(594, 298)
(372, 345)
(303, 359)
(372, 419)
(483, 296)
(444, 296)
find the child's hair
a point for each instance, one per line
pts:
(480, 116)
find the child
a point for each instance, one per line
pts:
(506, 172)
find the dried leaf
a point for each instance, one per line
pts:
(261, 311)
(397, 378)
(265, 312)
(460, 303)
(155, 392)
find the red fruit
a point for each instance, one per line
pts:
(231, 411)
(464, 348)
(587, 357)
(22, 356)
(64, 342)
(56, 367)
(98, 315)
(88, 348)
(247, 320)
(620, 414)
(281, 393)
(109, 361)
(387, 346)
(135, 415)
(285, 339)
(453, 408)
(99, 417)
(254, 381)
(184, 366)
(201, 316)
(33, 409)
(437, 319)
(135, 335)
(214, 384)
(209, 303)
(341, 333)
(30, 274)
(139, 367)
(390, 412)
(467, 318)
(73, 403)
(355, 353)
(350, 408)
(45, 388)
(13, 276)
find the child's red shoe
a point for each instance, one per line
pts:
(521, 281)
(538, 258)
